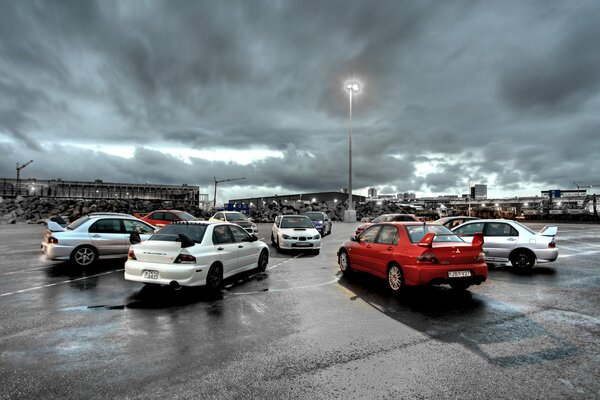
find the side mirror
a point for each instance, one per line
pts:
(427, 240)
(354, 238)
(251, 238)
(134, 238)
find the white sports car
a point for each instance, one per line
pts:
(195, 253)
(507, 240)
(295, 232)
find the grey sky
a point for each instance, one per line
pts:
(498, 92)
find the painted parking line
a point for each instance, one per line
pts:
(583, 253)
(59, 283)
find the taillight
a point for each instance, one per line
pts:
(427, 258)
(185, 259)
(131, 255)
(52, 240)
(480, 257)
(552, 245)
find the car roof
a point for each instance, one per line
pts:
(167, 210)
(109, 214)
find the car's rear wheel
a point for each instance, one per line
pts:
(459, 285)
(522, 259)
(263, 261)
(344, 262)
(395, 279)
(214, 279)
(84, 256)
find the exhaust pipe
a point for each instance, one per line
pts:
(175, 285)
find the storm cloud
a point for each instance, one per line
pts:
(500, 93)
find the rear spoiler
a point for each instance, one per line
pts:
(53, 226)
(548, 231)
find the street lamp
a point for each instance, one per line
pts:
(350, 213)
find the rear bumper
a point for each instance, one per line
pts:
(546, 255)
(415, 275)
(183, 274)
(56, 251)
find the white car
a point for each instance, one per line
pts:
(295, 232)
(236, 217)
(507, 240)
(195, 253)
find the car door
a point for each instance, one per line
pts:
(361, 253)
(227, 249)
(247, 250)
(382, 249)
(108, 237)
(499, 240)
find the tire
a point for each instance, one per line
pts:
(316, 252)
(395, 278)
(272, 240)
(459, 285)
(214, 279)
(522, 260)
(344, 262)
(263, 261)
(84, 256)
(277, 246)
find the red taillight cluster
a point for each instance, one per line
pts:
(52, 240)
(427, 258)
(131, 255)
(480, 257)
(185, 259)
(552, 245)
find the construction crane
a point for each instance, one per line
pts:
(217, 181)
(19, 173)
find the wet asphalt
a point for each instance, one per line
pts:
(299, 330)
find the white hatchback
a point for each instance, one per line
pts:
(295, 232)
(195, 253)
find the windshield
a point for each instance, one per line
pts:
(296, 222)
(236, 216)
(170, 232)
(442, 234)
(314, 216)
(185, 216)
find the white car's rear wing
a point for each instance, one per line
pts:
(548, 231)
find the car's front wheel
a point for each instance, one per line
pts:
(344, 262)
(395, 279)
(263, 261)
(84, 256)
(522, 259)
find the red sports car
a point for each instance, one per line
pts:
(415, 253)
(162, 218)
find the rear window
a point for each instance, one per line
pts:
(186, 216)
(77, 223)
(442, 234)
(170, 233)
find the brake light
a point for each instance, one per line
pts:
(427, 258)
(52, 240)
(131, 255)
(552, 244)
(185, 259)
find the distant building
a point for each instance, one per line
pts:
(407, 196)
(479, 192)
(291, 198)
(372, 193)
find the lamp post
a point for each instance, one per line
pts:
(350, 213)
(19, 168)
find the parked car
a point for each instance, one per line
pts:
(411, 254)
(386, 218)
(236, 217)
(196, 253)
(507, 240)
(451, 222)
(295, 232)
(321, 221)
(92, 237)
(160, 218)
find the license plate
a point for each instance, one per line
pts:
(303, 244)
(458, 274)
(150, 274)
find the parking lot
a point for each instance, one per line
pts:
(299, 330)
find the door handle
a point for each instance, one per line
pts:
(511, 239)
(96, 235)
(219, 248)
(390, 248)
(240, 247)
(368, 246)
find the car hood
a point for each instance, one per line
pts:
(299, 231)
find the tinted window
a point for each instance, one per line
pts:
(219, 216)
(238, 233)
(185, 216)
(403, 218)
(77, 223)
(236, 216)
(316, 216)
(132, 225)
(170, 232)
(170, 217)
(470, 229)
(500, 229)
(106, 226)
(369, 234)
(157, 216)
(442, 234)
(221, 234)
(388, 235)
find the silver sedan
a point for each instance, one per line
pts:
(509, 241)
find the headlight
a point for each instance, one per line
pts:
(316, 236)
(286, 236)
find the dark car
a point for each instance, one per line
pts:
(321, 221)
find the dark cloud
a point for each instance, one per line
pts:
(504, 93)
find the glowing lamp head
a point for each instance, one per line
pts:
(352, 87)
